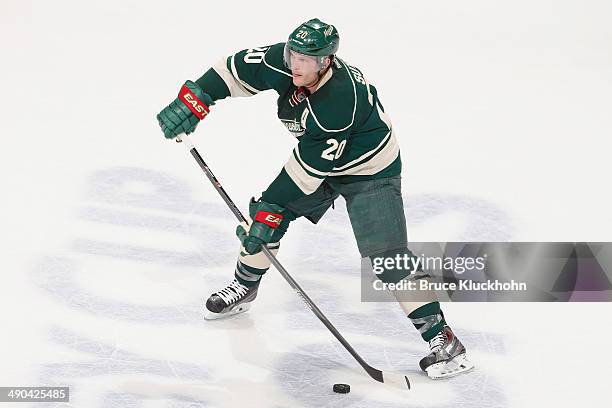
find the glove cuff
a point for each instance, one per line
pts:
(272, 220)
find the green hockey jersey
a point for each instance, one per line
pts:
(342, 130)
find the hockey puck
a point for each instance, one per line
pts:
(342, 388)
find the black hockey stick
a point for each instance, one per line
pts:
(395, 379)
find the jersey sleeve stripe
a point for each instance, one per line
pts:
(306, 182)
(236, 89)
(232, 66)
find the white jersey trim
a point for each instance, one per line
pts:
(303, 118)
(305, 182)
(365, 155)
(237, 77)
(325, 78)
(306, 166)
(376, 163)
(383, 116)
(235, 87)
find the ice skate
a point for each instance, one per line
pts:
(235, 298)
(447, 357)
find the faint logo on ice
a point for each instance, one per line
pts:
(141, 379)
(138, 255)
(142, 231)
(141, 248)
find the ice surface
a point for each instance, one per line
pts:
(113, 238)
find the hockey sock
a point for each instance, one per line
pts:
(428, 320)
(247, 275)
(250, 268)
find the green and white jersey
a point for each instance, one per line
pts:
(342, 130)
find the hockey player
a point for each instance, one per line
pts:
(346, 146)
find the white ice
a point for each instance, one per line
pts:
(112, 238)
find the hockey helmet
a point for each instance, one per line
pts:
(313, 38)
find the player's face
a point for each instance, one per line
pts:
(304, 69)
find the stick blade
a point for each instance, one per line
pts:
(396, 380)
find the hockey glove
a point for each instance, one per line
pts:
(185, 112)
(267, 218)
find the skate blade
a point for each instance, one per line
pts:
(208, 315)
(447, 369)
